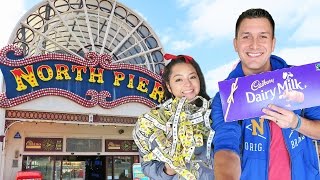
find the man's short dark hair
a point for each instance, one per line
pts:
(255, 13)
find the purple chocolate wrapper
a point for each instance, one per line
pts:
(291, 88)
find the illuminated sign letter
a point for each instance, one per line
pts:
(118, 76)
(79, 69)
(93, 75)
(130, 83)
(19, 75)
(62, 69)
(143, 82)
(49, 72)
(157, 90)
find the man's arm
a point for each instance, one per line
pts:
(288, 119)
(226, 165)
(310, 128)
(226, 144)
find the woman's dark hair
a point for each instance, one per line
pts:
(255, 13)
(168, 71)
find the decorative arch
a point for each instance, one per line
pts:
(76, 27)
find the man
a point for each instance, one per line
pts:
(283, 147)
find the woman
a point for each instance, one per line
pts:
(171, 146)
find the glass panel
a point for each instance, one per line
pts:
(84, 145)
(40, 163)
(57, 174)
(74, 170)
(122, 167)
(109, 167)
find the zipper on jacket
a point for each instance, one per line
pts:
(269, 145)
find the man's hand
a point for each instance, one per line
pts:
(226, 165)
(284, 118)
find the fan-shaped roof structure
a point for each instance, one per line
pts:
(79, 26)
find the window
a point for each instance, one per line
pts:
(84, 145)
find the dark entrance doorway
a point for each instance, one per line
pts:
(95, 168)
(67, 167)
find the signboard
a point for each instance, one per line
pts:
(89, 81)
(121, 145)
(17, 136)
(290, 88)
(137, 172)
(43, 144)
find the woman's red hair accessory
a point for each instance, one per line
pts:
(174, 57)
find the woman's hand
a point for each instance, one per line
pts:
(168, 170)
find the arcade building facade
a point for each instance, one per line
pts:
(74, 77)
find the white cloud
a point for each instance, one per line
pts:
(10, 13)
(216, 19)
(212, 77)
(309, 30)
(165, 39)
(300, 55)
(180, 45)
(140, 14)
(184, 3)
(165, 36)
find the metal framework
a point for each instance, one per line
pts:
(76, 27)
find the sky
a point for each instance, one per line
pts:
(204, 29)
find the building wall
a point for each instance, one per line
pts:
(56, 130)
(64, 105)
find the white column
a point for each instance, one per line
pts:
(2, 126)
